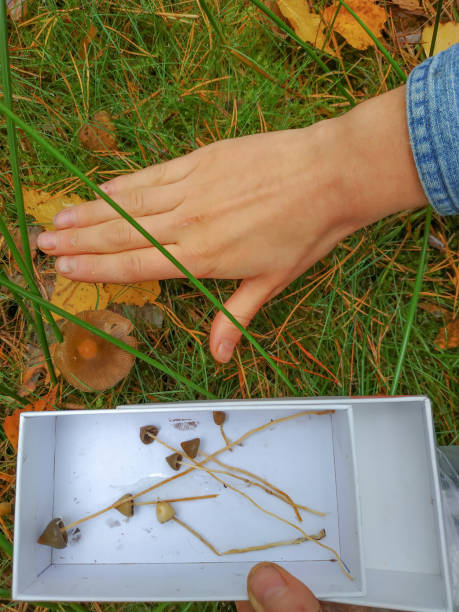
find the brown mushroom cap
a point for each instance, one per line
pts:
(127, 507)
(148, 433)
(53, 535)
(175, 461)
(191, 447)
(219, 417)
(91, 363)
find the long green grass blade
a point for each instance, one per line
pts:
(197, 283)
(4, 390)
(312, 54)
(413, 303)
(435, 30)
(210, 16)
(422, 258)
(6, 545)
(395, 65)
(119, 343)
(13, 151)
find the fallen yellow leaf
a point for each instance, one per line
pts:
(42, 206)
(447, 36)
(137, 294)
(373, 17)
(308, 26)
(75, 297)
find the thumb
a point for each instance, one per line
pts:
(243, 305)
(272, 589)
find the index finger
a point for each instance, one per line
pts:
(158, 174)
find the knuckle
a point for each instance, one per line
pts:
(120, 235)
(200, 258)
(132, 268)
(137, 206)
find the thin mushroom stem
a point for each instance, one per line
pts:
(227, 442)
(218, 452)
(179, 499)
(197, 535)
(236, 551)
(276, 491)
(268, 512)
(250, 483)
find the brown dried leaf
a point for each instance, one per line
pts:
(99, 133)
(11, 423)
(6, 508)
(447, 36)
(87, 40)
(42, 206)
(372, 15)
(137, 294)
(74, 297)
(448, 337)
(412, 6)
(308, 26)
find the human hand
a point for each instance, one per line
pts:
(271, 589)
(261, 208)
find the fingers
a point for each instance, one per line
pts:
(271, 589)
(137, 202)
(127, 267)
(159, 174)
(243, 305)
(110, 237)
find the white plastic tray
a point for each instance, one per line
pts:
(72, 464)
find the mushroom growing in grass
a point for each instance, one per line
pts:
(89, 362)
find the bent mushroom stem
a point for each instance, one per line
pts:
(227, 442)
(236, 551)
(268, 512)
(249, 433)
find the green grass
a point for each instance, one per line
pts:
(350, 310)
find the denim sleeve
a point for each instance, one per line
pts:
(432, 103)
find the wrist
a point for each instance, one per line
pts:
(381, 174)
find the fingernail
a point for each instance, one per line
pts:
(225, 351)
(47, 240)
(65, 218)
(265, 583)
(65, 265)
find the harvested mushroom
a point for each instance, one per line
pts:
(89, 362)
(148, 433)
(127, 507)
(191, 447)
(219, 417)
(54, 535)
(164, 512)
(175, 461)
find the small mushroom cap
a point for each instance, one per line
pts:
(191, 447)
(164, 512)
(219, 417)
(91, 363)
(53, 536)
(127, 507)
(175, 461)
(148, 433)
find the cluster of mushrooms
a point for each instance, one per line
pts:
(55, 534)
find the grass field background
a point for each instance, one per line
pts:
(172, 83)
